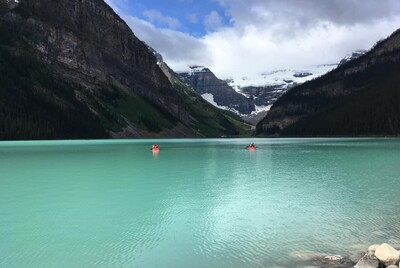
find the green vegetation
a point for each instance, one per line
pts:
(144, 115)
(210, 121)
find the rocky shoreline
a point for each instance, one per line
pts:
(376, 256)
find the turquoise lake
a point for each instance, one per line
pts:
(198, 203)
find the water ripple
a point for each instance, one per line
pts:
(115, 205)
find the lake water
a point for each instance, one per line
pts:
(198, 203)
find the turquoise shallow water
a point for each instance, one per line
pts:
(198, 203)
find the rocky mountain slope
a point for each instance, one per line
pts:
(360, 97)
(216, 91)
(74, 69)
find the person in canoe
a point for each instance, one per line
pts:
(155, 147)
(251, 147)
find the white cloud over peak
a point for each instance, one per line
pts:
(178, 49)
(212, 21)
(266, 35)
(254, 50)
(307, 12)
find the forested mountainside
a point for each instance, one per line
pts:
(74, 69)
(360, 97)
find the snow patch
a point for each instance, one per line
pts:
(194, 69)
(356, 54)
(280, 78)
(260, 109)
(13, 1)
(210, 98)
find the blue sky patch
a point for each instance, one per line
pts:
(194, 17)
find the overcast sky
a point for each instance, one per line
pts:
(237, 38)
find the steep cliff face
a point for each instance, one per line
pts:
(361, 97)
(74, 69)
(88, 38)
(205, 82)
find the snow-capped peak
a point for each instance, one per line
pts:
(356, 54)
(280, 78)
(196, 68)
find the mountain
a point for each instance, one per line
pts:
(209, 119)
(356, 54)
(279, 79)
(267, 87)
(74, 69)
(216, 91)
(360, 97)
(249, 97)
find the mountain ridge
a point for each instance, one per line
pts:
(349, 100)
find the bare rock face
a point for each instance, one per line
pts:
(205, 81)
(387, 254)
(85, 48)
(87, 40)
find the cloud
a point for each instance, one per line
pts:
(266, 35)
(178, 49)
(157, 16)
(255, 50)
(308, 12)
(279, 34)
(212, 21)
(192, 18)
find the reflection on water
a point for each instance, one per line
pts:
(197, 203)
(155, 154)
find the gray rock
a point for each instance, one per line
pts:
(332, 261)
(203, 80)
(334, 258)
(392, 266)
(387, 254)
(372, 249)
(367, 261)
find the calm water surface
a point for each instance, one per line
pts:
(198, 203)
